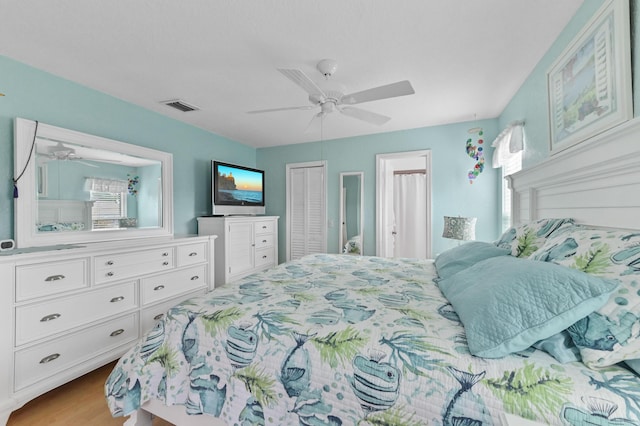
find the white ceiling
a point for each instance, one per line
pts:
(464, 58)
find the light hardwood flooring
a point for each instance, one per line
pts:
(79, 402)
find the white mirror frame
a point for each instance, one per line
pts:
(342, 206)
(26, 207)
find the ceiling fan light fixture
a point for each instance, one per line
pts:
(327, 67)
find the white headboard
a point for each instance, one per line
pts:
(61, 211)
(596, 182)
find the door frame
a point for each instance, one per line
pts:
(288, 168)
(384, 173)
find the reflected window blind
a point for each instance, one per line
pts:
(108, 208)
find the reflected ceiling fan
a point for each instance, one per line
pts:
(329, 100)
(60, 152)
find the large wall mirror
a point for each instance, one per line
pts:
(79, 188)
(351, 214)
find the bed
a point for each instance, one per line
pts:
(64, 215)
(334, 339)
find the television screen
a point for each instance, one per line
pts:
(237, 189)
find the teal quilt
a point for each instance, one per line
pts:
(350, 340)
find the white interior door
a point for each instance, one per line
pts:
(306, 209)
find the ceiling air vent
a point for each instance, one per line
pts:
(180, 105)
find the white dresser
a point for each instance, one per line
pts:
(68, 310)
(245, 244)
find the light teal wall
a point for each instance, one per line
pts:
(530, 102)
(451, 192)
(37, 95)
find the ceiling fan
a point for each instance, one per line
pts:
(61, 152)
(329, 100)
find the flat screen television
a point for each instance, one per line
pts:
(236, 190)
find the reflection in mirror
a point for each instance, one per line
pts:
(351, 213)
(81, 188)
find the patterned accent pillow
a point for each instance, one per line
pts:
(523, 240)
(612, 333)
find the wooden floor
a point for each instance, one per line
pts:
(80, 402)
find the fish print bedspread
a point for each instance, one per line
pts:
(349, 340)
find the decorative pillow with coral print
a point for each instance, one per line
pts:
(612, 333)
(523, 240)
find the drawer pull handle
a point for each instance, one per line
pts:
(50, 317)
(165, 254)
(110, 262)
(264, 227)
(117, 332)
(193, 253)
(117, 299)
(55, 278)
(49, 358)
(158, 317)
(264, 241)
(264, 256)
(165, 263)
(159, 287)
(195, 277)
(110, 274)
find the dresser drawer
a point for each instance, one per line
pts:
(263, 241)
(265, 257)
(264, 227)
(155, 289)
(191, 254)
(114, 267)
(49, 278)
(41, 361)
(51, 317)
(151, 315)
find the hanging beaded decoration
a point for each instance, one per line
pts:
(132, 184)
(477, 153)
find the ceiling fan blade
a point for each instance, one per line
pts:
(401, 88)
(259, 111)
(301, 79)
(86, 164)
(364, 115)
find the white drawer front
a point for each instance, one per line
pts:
(155, 289)
(47, 318)
(192, 254)
(121, 266)
(49, 278)
(263, 241)
(151, 315)
(264, 227)
(264, 257)
(47, 359)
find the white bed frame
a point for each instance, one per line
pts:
(56, 211)
(596, 182)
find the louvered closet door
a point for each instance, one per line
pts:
(307, 233)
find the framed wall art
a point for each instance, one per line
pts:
(589, 85)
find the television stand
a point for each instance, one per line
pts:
(245, 244)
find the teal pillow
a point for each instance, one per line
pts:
(468, 254)
(560, 346)
(507, 304)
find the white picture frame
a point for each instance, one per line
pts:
(589, 85)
